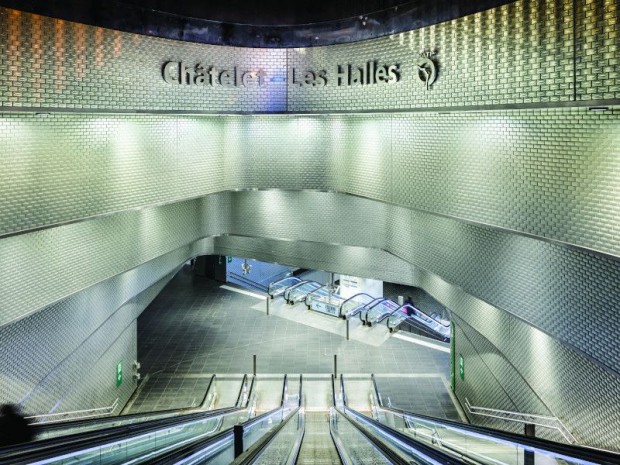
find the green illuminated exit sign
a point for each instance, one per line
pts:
(119, 373)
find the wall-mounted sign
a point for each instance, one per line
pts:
(201, 74)
(373, 72)
(119, 373)
(324, 307)
(427, 69)
(369, 73)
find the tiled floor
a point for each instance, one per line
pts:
(194, 327)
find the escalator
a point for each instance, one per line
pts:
(136, 438)
(223, 392)
(317, 421)
(463, 443)
(430, 325)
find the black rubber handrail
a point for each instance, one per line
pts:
(290, 288)
(174, 456)
(249, 282)
(351, 298)
(312, 292)
(423, 312)
(376, 389)
(243, 382)
(283, 290)
(187, 450)
(302, 284)
(369, 306)
(284, 389)
(101, 421)
(38, 450)
(384, 315)
(379, 444)
(426, 329)
(570, 450)
(262, 444)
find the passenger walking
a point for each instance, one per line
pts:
(408, 301)
(14, 429)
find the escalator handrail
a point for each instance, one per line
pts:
(571, 450)
(283, 279)
(292, 287)
(312, 292)
(243, 383)
(28, 452)
(258, 418)
(376, 389)
(301, 381)
(384, 315)
(370, 305)
(445, 325)
(259, 446)
(284, 389)
(386, 451)
(174, 456)
(43, 428)
(344, 392)
(249, 282)
(432, 333)
(356, 295)
(302, 284)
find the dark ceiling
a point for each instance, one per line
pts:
(263, 23)
(269, 12)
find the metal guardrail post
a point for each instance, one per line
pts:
(348, 328)
(528, 455)
(254, 365)
(267, 301)
(335, 366)
(238, 438)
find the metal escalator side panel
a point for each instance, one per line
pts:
(485, 445)
(121, 444)
(352, 445)
(282, 446)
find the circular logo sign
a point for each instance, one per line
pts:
(427, 70)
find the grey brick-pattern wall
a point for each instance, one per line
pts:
(597, 60)
(535, 280)
(550, 173)
(531, 372)
(520, 53)
(63, 358)
(461, 203)
(59, 64)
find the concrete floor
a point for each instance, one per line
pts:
(195, 328)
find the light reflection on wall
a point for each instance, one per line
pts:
(59, 54)
(37, 56)
(14, 52)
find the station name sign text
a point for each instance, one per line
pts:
(201, 74)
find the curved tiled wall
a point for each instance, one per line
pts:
(508, 216)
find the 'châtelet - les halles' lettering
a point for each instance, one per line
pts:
(200, 74)
(179, 72)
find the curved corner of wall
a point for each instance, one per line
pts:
(532, 373)
(496, 182)
(64, 357)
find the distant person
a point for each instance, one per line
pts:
(14, 429)
(409, 302)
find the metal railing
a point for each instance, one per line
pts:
(543, 421)
(49, 418)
